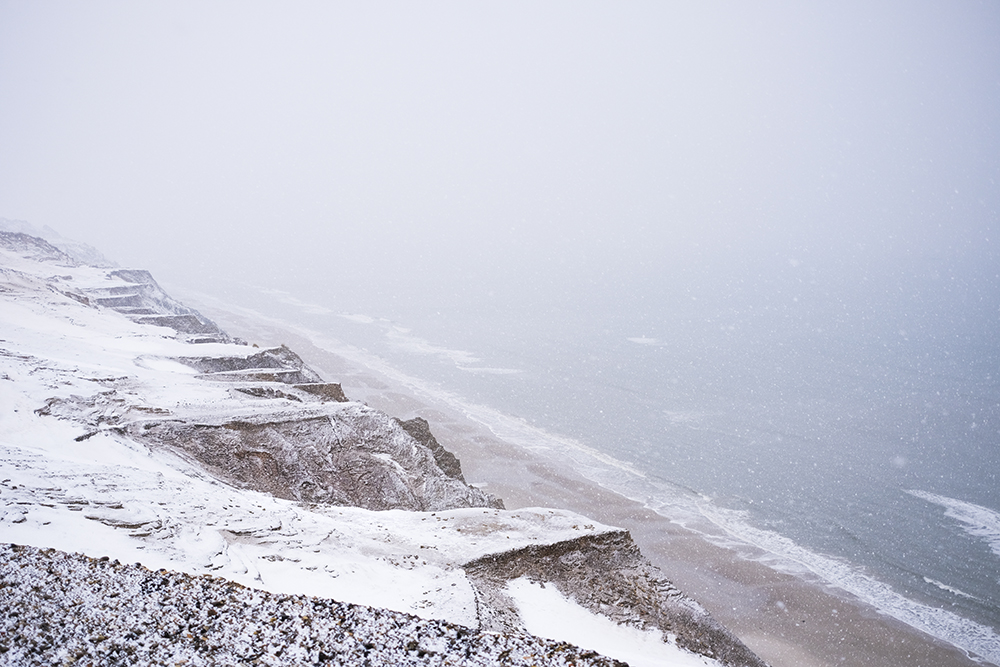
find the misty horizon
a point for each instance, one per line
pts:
(465, 150)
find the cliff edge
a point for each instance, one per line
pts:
(140, 430)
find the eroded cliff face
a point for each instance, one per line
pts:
(354, 455)
(607, 574)
(261, 419)
(295, 436)
(420, 430)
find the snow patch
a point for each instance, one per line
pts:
(546, 612)
(164, 365)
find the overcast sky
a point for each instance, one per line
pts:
(456, 143)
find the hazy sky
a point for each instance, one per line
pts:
(455, 144)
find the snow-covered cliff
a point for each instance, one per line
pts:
(133, 427)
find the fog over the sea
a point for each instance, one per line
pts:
(542, 154)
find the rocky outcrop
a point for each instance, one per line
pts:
(325, 391)
(277, 361)
(299, 438)
(305, 448)
(354, 455)
(129, 615)
(606, 574)
(144, 301)
(35, 248)
(80, 252)
(420, 430)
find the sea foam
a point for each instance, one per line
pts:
(979, 521)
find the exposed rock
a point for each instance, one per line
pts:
(35, 248)
(322, 452)
(188, 324)
(103, 408)
(326, 391)
(607, 574)
(272, 359)
(354, 455)
(284, 376)
(421, 432)
(267, 392)
(69, 609)
(145, 302)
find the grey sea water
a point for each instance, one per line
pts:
(852, 429)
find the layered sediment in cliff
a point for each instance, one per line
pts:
(352, 456)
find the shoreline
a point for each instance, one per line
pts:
(786, 619)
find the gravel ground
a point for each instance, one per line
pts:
(68, 609)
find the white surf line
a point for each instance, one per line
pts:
(950, 589)
(942, 624)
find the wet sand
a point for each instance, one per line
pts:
(786, 620)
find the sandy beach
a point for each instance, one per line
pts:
(788, 621)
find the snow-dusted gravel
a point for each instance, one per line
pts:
(67, 609)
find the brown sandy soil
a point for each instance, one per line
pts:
(786, 620)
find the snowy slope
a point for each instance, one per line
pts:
(81, 383)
